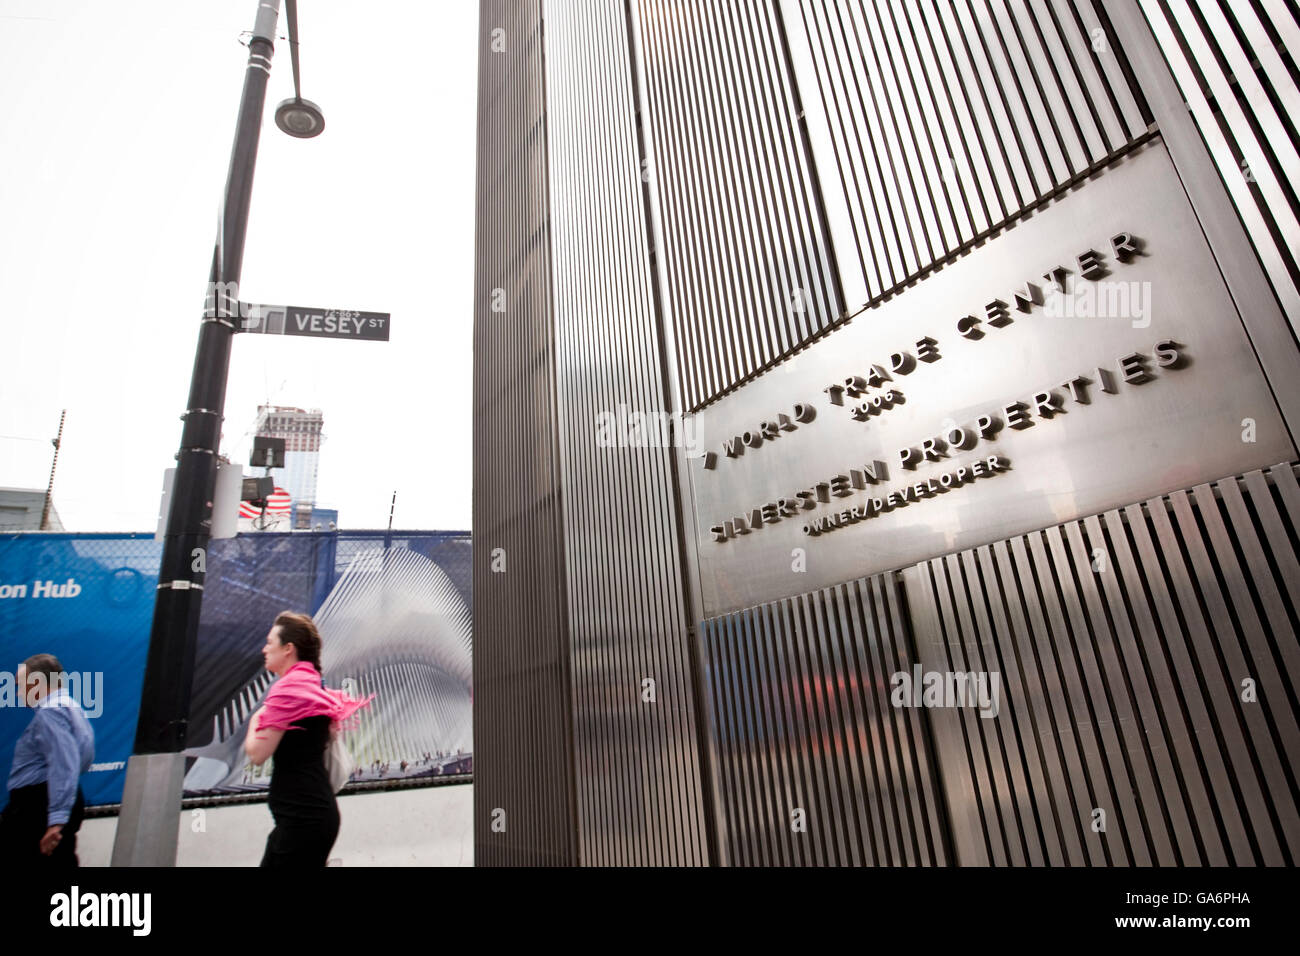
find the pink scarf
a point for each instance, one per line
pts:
(299, 693)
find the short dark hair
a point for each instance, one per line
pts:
(300, 631)
(46, 664)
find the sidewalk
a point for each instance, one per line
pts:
(423, 826)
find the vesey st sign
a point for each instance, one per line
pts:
(322, 323)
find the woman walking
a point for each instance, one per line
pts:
(295, 724)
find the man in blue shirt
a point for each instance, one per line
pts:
(39, 825)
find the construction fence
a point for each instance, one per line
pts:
(393, 609)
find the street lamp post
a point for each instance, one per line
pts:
(148, 824)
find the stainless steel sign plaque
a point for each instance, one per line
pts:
(1087, 358)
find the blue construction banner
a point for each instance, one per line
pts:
(393, 609)
(88, 600)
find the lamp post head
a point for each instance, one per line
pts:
(300, 118)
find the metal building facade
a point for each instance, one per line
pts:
(693, 216)
(587, 704)
(522, 674)
(637, 773)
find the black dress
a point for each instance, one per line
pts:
(301, 800)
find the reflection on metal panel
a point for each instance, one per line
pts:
(1234, 63)
(639, 792)
(946, 119)
(523, 793)
(818, 767)
(749, 272)
(1149, 671)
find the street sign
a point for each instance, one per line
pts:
(267, 452)
(323, 323)
(257, 488)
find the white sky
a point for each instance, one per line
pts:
(116, 122)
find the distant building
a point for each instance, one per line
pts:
(20, 510)
(301, 430)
